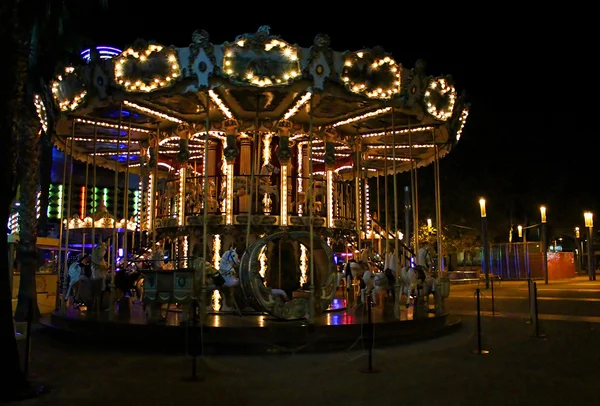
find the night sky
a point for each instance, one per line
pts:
(528, 140)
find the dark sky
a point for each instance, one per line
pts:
(529, 139)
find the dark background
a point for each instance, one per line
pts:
(528, 73)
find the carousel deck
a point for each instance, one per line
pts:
(229, 333)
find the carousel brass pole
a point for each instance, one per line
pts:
(413, 191)
(205, 261)
(438, 207)
(378, 215)
(385, 192)
(126, 198)
(310, 213)
(94, 186)
(357, 196)
(115, 241)
(65, 222)
(153, 210)
(255, 138)
(396, 239)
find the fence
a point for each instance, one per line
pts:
(517, 260)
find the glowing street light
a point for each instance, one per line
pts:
(588, 218)
(544, 238)
(520, 229)
(543, 213)
(485, 265)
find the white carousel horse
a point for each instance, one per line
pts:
(229, 262)
(424, 258)
(376, 282)
(75, 272)
(413, 278)
(215, 279)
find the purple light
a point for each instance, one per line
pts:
(105, 52)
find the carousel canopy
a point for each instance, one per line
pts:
(365, 100)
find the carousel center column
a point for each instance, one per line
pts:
(182, 157)
(284, 154)
(245, 170)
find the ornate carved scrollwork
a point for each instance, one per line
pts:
(231, 150)
(328, 138)
(320, 61)
(184, 139)
(153, 151)
(415, 84)
(284, 153)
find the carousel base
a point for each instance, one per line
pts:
(227, 333)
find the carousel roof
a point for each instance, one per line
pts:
(150, 90)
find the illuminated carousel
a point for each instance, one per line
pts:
(257, 145)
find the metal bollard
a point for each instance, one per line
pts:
(479, 349)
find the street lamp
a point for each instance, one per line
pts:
(520, 229)
(588, 217)
(429, 226)
(544, 243)
(578, 250)
(485, 265)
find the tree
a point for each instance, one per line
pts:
(29, 27)
(47, 47)
(454, 238)
(14, 379)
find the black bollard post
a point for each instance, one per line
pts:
(530, 321)
(370, 339)
(192, 341)
(479, 349)
(28, 337)
(536, 317)
(493, 303)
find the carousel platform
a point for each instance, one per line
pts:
(336, 330)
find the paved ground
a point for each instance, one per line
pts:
(561, 369)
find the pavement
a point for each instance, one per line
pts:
(560, 368)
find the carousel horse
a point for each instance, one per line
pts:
(75, 274)
(413, 278)
(265, 186)
(158, 259)
(304, 200)
(129, 281)
(221, 279)
(99, 269)
(197, 196)
(374, 281)
(227, 266)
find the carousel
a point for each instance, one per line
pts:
(244, 166)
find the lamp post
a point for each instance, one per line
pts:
(486, 249)
(577, 249)
(588, 217)
(544, 244)
(520, 229)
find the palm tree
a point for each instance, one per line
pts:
(46, 51)
(30, 28)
